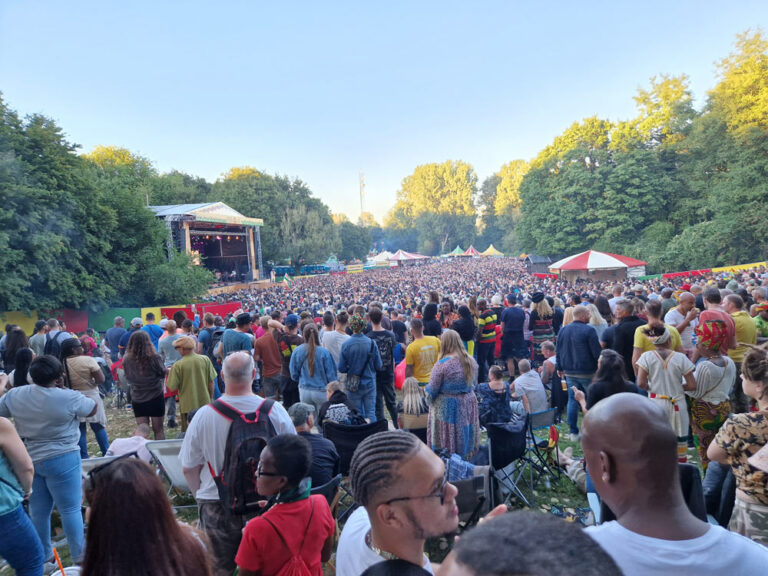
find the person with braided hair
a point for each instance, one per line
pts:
(404, 498)
(742, 436)
(82, 373)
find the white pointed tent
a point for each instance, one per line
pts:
(598, 266)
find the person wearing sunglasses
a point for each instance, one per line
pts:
(129, 490)
(46, 417)
(404, 499)
(297, 527)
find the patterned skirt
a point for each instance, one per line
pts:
(453, 424)
(706, 420)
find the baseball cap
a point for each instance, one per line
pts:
(136, 322)
(291, 320)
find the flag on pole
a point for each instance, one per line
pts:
(287, 281)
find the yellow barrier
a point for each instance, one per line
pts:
(25, 321)
(739, 267)
(154, 309)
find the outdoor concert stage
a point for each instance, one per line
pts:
(218, 237)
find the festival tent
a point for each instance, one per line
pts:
(455, 252)
(471, 251)
(403, 256)
(594, 265)
(382, 257)
(491, 251)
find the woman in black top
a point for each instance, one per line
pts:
(609, 379)
(431, 323)
(465, 326)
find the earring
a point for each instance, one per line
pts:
(605, 478)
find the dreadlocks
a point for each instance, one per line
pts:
(376, 460)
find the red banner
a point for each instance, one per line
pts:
(687, 274)
(539, 275)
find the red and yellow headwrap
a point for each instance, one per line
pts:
(761, 307)
(712, 333)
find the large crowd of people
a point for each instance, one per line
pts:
(644, 374)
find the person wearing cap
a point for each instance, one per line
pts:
(761, 322)
(325, 458)
(239, 338)
(135, 325)
(288, 341)
(662, 372)
(193, 377)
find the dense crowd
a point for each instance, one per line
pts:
(642, 372)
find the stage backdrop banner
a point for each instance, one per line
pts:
(169, 311)
(103, 321)
(155, 310)
(25, 321)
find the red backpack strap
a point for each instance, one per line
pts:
(225, 410)
(306, 530)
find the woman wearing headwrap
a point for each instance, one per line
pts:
(661, 372)
(714, 375)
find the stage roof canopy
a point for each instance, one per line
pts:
(214, 212)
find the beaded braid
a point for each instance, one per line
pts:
(375, 462)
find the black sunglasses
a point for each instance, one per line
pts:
(260, 472)
(440, 494)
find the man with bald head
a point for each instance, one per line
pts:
(631, 454)
(684, 317)
(203, 451)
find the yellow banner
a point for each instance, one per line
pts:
(739, 267)
(354, 269)
(24, 321)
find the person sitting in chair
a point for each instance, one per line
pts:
(325, 458)
(529, 395)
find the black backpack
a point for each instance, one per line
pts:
(210, 350)
(53, 345)
(248, 435)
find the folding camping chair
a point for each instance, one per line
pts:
(166, 455)
(346, 439)
(90, 463)
(507, 459)
(473, 499)
(541, 449)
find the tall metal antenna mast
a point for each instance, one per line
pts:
(362, 194)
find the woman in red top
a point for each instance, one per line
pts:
(297, 525)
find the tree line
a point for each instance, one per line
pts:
(76, 230)
(678, 187)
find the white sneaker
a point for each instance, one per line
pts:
(574, 437)
(50, 567)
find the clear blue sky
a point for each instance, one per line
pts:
(325, 90)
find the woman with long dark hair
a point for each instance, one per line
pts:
(431, 323)
(14, 341)
(84, 375)
(298, 525)
(145, 371)
(19, 376)
(610, 379)
(312, 366)
(129, 519)
(46, 417)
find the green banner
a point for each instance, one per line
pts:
(651, 277)
(101, 321)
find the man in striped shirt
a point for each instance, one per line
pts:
(486, 339)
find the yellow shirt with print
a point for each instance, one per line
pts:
(642, 341)
(422, 354)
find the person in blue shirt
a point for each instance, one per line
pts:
(359, 360)
(154, 331)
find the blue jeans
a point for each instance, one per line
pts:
(315, 397)
(101, 438)
(19, 543)
(573, 407)
(58, 482)
(365, 401)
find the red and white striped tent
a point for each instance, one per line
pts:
(472, 251)
(598, 266)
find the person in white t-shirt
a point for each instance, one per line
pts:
(684, 317)
(136, 443)
(631, 454)
(203, 449)
(404, 499)
(333, 339)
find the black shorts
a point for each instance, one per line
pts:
(514, 349)
(154, 408)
